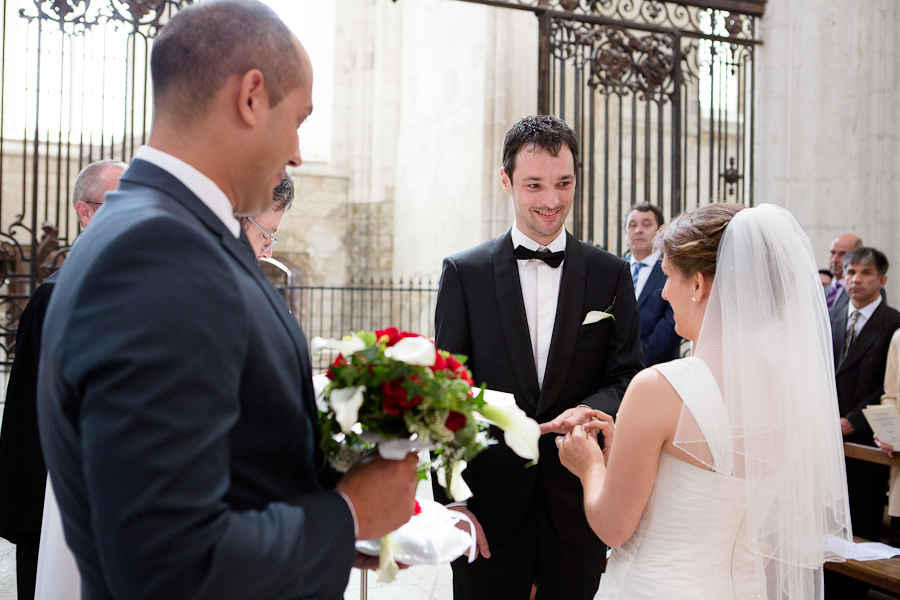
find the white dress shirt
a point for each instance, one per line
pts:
(202, 186)
(540, 293)
(865, 313)
(644, 274)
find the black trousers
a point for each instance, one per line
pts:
(867, 487)
(535, 555)
(26, 564)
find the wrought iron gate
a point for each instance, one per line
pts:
(661, 95)
(74, 88)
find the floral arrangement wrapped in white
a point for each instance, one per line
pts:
(394, 392)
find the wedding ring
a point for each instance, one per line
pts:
(559, 440)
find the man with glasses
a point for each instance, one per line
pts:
(23, 475)
(261, 229)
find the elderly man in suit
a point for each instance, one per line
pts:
(175, 397)
(658, 338)
(23, 476)
(516, 306)
(836, 294)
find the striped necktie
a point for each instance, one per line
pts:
(851, 331)
(635, 269)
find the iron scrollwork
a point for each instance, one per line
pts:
(623, 61)
(76, 16)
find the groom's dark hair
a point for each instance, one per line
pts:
(546, 132)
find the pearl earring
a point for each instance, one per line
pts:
(693, 299)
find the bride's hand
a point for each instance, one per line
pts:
(603, 423)
(579, 451)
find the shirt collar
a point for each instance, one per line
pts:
(202, 186)
(866, 311)
(648, 261)
(520, 239)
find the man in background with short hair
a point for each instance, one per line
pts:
(862, 335)
(23, 475)
(658, 338)
(840, 246)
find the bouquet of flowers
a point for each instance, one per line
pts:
(394, 391)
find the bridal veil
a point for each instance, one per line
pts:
(766, 337)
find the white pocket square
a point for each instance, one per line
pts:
(594, 316)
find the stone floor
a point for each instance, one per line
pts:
(412, 584)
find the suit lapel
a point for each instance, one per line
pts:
(513, 321)
(865, 338)
(838, 335)
(147, 174)
(652, 283)
(569, 313)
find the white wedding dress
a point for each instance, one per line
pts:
(691, 541)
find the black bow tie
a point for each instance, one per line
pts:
(554, 259)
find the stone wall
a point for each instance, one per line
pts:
(829, 147)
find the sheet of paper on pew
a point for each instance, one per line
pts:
(884, 419)
(864, 551)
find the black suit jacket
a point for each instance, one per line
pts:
(23, 476)
(177, 415)
(658, 338)
(860, 376)
(480, 313)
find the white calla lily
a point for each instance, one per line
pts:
(594, 316)
(413, 351)
(320, 382)
(520, 432)
(458, 488)
(346, 347)
(346, 402)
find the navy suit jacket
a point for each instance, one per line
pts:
(658, 338)
(480, 313)
(860, 375)
(177, 413)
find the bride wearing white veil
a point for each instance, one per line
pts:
(726, 474)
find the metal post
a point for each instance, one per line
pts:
(363, 585)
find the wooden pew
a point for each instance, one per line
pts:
(884, 574)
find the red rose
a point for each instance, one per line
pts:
(418, 509)
(393, 335)
(459, 370)
(396, 399)
(455, 421)
(340, 361)
(439, 363)
(406, 334)
(453, 364)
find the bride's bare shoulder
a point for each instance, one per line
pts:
(650, 393)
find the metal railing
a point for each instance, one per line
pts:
(333, 312)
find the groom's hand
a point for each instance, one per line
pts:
(382, 493)
(568, 419)
(481, 543)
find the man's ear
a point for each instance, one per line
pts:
(84, 212)
(505, 182)
(253, 97)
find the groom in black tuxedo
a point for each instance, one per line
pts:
(175, 398)
(517, 306)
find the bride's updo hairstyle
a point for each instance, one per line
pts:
(690, 242)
